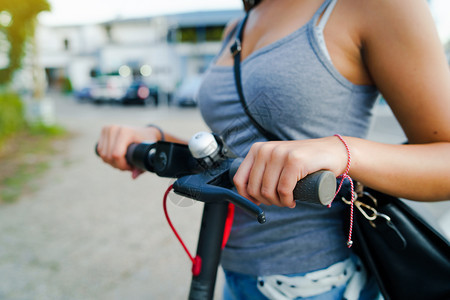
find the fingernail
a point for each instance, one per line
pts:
(135, 173)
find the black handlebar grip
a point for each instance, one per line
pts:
(130, 152)
(318, 187)
(140, 156)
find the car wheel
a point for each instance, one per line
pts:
(148, 101)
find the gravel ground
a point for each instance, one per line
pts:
(90, 232)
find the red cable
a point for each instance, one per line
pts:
(228, 224)
(196, 261)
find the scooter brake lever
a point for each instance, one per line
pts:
(214, 187)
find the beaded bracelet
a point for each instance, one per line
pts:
(163, 138)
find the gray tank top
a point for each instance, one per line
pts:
(292, 89)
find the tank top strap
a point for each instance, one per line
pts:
(230, 35)
(317, 26)
(327, 9)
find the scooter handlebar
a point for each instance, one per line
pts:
(318, 187)
(175, 161)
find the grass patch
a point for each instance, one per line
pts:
(25, 157)
(11, 115)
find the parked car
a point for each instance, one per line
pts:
(108, 88)
(141, 93)
(84, 94)
(186, 94)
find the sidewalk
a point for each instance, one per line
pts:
(90, 232)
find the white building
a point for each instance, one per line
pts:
(163, 49)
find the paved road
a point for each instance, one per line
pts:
(90, 232)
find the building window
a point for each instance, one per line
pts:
(214, 33)
(66, 44)
(198, 34)
(108, 30)
(187, 35)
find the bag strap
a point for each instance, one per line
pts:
(236, 52)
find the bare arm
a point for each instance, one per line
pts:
(407, 63)
(404, 58)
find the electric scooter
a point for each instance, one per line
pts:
(204, 170)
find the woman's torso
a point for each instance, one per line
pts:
(273, 20)
(292, 88)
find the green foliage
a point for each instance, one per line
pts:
(11, 115)
(26, 157)
(13, 186)
(19, 30)
(67, 85)
(43, 129)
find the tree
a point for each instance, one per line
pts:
(17, 25)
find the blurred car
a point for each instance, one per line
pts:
(186, 94)
(84, 94)
(108, 88)
(141, 93)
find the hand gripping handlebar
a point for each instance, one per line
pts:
(216, 184)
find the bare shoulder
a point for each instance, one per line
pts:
(405, 58)
(373, 14)
(231, 25)
(360, 30)
(393, 17)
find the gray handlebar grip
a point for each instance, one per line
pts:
(318, 187)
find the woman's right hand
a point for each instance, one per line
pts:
(114, 141)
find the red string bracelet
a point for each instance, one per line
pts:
(343, 177)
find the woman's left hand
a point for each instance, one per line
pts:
(271, 170)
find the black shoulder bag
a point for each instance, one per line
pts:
(408, 257)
